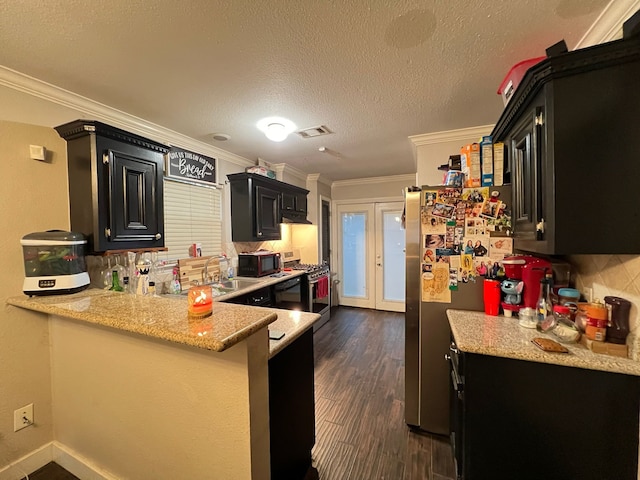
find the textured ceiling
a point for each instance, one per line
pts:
(374, 72)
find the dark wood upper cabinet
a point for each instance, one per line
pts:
(115, 186)
(260, 204)
(570, 131)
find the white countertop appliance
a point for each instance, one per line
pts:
(54, 262)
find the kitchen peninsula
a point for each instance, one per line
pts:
(520, 412)
(142, 391)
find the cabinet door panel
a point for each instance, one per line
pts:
(526, 153)
(267, 213)
(288, 201)
(301, 203)
(134, 203)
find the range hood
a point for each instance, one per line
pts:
(294, 217)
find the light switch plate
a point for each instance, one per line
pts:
(38, 152)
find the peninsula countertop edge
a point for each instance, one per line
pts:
(156, 317)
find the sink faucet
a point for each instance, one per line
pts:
(205, 270)
(223, 271)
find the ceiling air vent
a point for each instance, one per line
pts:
(314, 131)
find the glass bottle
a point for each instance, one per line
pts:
(175, 283)
(106, 274)
(115, 282)
(143, 267)
(544, 306)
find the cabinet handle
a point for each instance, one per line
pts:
(539, 119)
(158, 236)
(540, 226)
(107, 232)
(105, 158)
(259, 234)
(447, 357)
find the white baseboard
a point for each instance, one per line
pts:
(78, 465)
(54, 452)
(29, 463)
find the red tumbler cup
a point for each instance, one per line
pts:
(491, 297)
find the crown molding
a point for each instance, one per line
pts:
(450, 135)
(282, 167)
(92, 110)
(409, 177)
(318, 177)
(608, 25)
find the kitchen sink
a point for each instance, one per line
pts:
(228, 286)
(236, 284)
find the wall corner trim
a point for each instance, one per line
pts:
(460, 134)
(608, 25)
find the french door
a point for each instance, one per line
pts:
(390, 250)
(371, 255)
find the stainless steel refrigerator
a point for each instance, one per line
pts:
(427, 333)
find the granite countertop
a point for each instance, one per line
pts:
(475, 332)
(293, 324)
(159, 317)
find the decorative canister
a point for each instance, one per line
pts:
(597, 318)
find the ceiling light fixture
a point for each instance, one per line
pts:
(276, 132)
(276, 129)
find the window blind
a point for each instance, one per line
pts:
(192, 214)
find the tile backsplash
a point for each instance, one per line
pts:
(617, 275)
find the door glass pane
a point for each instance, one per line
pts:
(393, 255)
(354, 254)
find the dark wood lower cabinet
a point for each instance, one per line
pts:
(513, 419)
(292, 409)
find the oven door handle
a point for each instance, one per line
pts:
(315, 280)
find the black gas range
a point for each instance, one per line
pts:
(312, 294)
(313, 271)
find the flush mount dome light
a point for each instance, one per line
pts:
(276, 129)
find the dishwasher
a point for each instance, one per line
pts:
(288, 295)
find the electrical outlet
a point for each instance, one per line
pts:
(23, 417)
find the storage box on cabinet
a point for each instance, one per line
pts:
(570, 131)
(115, 186)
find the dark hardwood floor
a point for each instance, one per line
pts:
(360, 428)
(52, 471)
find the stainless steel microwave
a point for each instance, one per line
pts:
(258, 264)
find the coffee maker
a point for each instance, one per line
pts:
(529, 270)
(618, 326)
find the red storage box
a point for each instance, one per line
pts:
(513, 78)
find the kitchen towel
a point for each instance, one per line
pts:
(322, 290)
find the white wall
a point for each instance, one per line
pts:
(434, 149)
(33, 197)
(366, 189)
(144, 408)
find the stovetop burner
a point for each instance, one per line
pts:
(313, 270)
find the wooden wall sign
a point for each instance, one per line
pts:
(190, 166)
